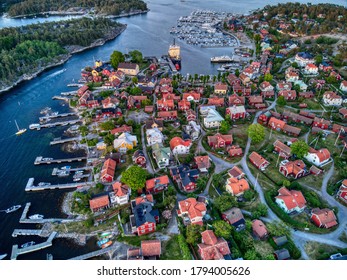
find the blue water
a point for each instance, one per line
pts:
(148, 33)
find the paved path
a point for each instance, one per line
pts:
(144, 149)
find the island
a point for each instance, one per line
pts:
(29, 50)
(15, 8)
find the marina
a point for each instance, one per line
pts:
(57, 115)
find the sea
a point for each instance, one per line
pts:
(148, 33)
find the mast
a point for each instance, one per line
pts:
(16, 124)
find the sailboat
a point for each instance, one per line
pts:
(20, 131)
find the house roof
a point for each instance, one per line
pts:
(255, 99)
(343, 111)
(143, 199)
(119, 189)
(221, 86)
(214, 100)
(99, 202)
(144, 213)
(152, 121)
(280, 240)
(213, 116)
(151, 248)
(237, 109)
(233, 215)
(237, 186)
(195, 95)
(282, 254)
(326, 216)
(138, 153)
(108, 168)
(214, 139)
(284, 148)
(291, 129)
(331, 95)
(235, 99)
(208, 237)
(192, 207)
(235, 172)
(276, 123)
(183, 103)
(291, 198)
(257, 159)
(322, 121)
(162, 180)
(217, 248)
(167, 114)
(203, 162)
(322, 154)
(235, 150)
(127, 65)
(259, 228)
(177, 141)
(121, 129)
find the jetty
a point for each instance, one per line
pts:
(17, 232)
(48, 117)
(69, 93)
(57, 170)
(58, 97)
(16, 251)
(96, 253)
(31, 187)
(41, 160)
(62, 123)
(62, 141)
(75, 85)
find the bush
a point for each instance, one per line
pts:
(186, 255)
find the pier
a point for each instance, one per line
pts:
(31, 187)
(69, 93)
(63, 123)
(96, 253)
(86, 168)
(17, 232)
(58, 97)
(57, 116)
(16, 251)
(62, 141)
(42, 160)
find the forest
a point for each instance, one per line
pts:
(327, 17)
(27, 49)
(106, 7)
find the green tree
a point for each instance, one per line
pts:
(281, 101)
(256, 132)
(237, 72)
(278, 229)
(268, 77)
(135, 177)
(295, 65)
(224, 127)
(225, 202)
(135, 91)
(84, 130)
(109, 125)
(270, 257)
(116, 58)
(262, 209)
(252, 255)
(136, 56)
(318, 59)
(193, 233)
(222, 229)
(248, 195)
(331, 80)
(299, 148)
(135, 80)
(109, 138)
(286, 183)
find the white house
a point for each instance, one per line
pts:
(179, 146)
(303, 58)
(332, 99)
(120, 194)
(213, 119)
(311, 69)
(290, 201)
(319, 157)
(205, 109)
(125, 142)
(343, 86)
(266, 86)
(154, 136)
(303, 86)
(193, 129)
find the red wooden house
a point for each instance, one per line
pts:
(219, 141)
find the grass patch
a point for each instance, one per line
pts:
(133, 240)
(171, 249)
(263, 248)
(318, 251)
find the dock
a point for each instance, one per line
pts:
(96, 253)
(17, 232)
(58, 116)
(69, 93)
(75, 85)
(86, 168)
(66, 140)
(63, 123)
(31, 187)
(16, 251)
(41, 160)
(59, 97)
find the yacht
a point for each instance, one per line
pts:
(28, 244)
(36, 217)
(35, 126)
(19, 131)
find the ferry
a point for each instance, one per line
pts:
(106, 244)
(36, 217)
(175, 55)
(35, 126)
(13, 208)
(28, 244)
(221, 59)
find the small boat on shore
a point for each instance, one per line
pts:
(13, 208)
(102, 242)
(109, 243)
(36, 217)
(3, 256)
(28, 244)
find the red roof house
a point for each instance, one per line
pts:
(99, 203)
(212, 248)
(324, 218)
(290, 200)
(295, 168)
(158, 184)
(219, 141)
(191, 211)
(257, 160)
(107, 171)
(259, 229)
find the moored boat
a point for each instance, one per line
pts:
(36, 217)
(13, 208)
(28, 244)
(109, 243)
(102, 242)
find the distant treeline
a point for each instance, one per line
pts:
(328, 17)
(27, 49)
(109, 7)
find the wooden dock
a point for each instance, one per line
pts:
(63, 123)
(62, 141)
(17, 232)
(16, 251)
(42, 160)
(96, 253)
(31, 187)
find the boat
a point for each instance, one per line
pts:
(36, 217)
(175, 55)
(106, 244)
(28, 244)
(20, 131)
(46, 159)
(35, 126)
(221, 59)
(65, 167)
(102, 242)
(45, 110)
(13, 208)
(63, 173)
(3, 256)
(106, 233)
(76, 179)
(41, 184)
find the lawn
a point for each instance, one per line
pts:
(263, 248)
(317, 250)
(312, 104)
(240, 135)
(133, 240)
(343, 237)
(171, 250)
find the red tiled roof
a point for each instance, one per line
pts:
(259, 228)
(237, 186)
(119, 189)
(108, 168)
(123, 128)
(151, 248)
(162, 180)
(221, 86)
(283, 148)
(202, 162)
(325, 216)
(257, 159)
(99, 202)
(216, 101)
(276, 123)
(208, 237)
(167, 114)
(142, 199)
(192, 207)
(322, 154)
(215, 138)
(235, 172)
(217, 248)
(176, 141)
(291, 198)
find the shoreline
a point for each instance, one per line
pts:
(65, 58)
(75, 13)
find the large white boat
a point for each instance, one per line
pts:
(35, 126)
(36, 217)
(221, 59)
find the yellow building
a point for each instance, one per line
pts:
(220, 88)
(98, 63)
(131, 69)
(125, 142)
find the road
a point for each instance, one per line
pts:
(144, 149)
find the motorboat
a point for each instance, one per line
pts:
(45, 110)
(109, 243)
(28, 244)
(76, 179)
(65, 167)
(36, 217)
(41, 184)
(102, 242)
(63, 173)
(13, 208)
(35, 126)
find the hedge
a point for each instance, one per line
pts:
(186, 255)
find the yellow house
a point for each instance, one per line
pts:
(95, 73)
(130, 69)
(220, 88)
(125, 142)
(98, 63)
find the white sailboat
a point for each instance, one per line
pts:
(20, 131)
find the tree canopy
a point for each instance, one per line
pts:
(299, 148)
(222, 229)
(116, 58)
(136, 56)
(281, 101)
(225, 202)
(256, 132)
(135, 177)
